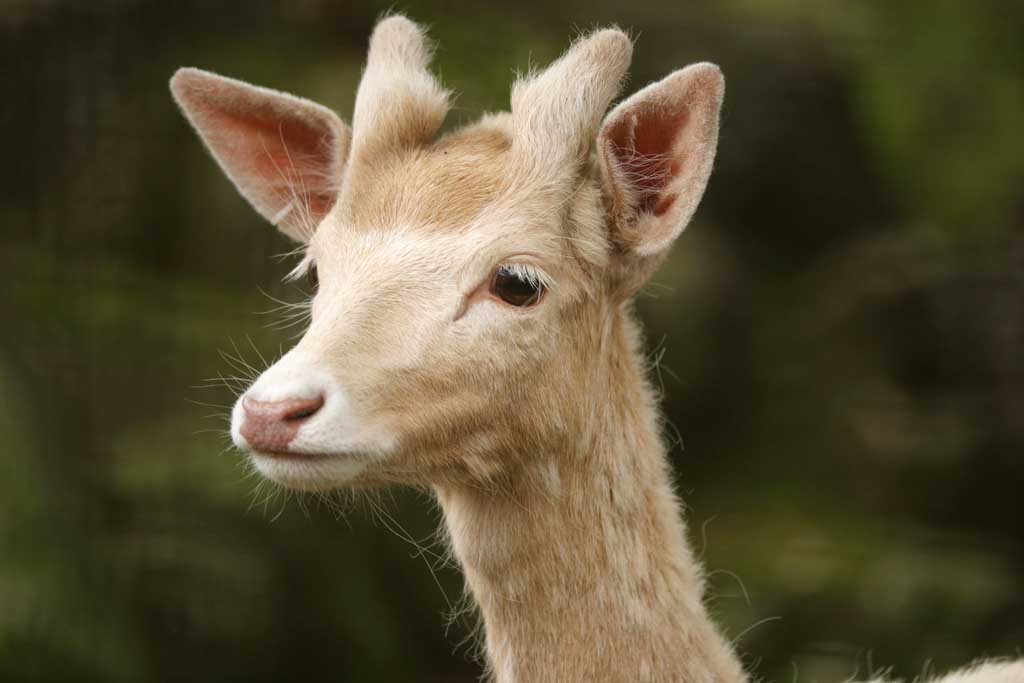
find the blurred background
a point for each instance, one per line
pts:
(841, 334)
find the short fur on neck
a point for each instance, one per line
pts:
(580, 564)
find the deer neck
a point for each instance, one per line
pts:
(580, 565)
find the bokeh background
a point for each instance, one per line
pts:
(840, 334)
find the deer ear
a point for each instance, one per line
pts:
(283, 153)
(655, 151)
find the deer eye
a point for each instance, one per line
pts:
(517, 285)
(312, 278)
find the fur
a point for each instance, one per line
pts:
(536, 427)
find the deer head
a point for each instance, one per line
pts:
(469, 285)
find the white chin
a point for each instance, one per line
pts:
(308, 473)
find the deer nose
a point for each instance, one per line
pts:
(271, 425)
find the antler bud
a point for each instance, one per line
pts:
(557, 112)
(399, 101)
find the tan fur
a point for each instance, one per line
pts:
(585, 575)
(440, 187)
(536, 427)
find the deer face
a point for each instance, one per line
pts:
(465, 285)
(434, 318)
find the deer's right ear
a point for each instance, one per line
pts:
(283, 153)
(655, 151)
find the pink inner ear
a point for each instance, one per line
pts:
(644, 142)
(286, 157)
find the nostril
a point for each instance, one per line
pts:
(271, 425)
(300, 414)
(304, 410)
(287, 410)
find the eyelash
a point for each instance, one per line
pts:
(300, 269)
(526, 273)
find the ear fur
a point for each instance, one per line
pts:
(285, 154)
(655, 152)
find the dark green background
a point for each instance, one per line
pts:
(841, 335)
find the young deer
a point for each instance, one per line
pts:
(472, 333)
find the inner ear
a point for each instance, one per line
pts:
(290, 158)
(656, 151)
(283, 153)
(642, 144)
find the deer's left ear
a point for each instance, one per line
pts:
(655, 151)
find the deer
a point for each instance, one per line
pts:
(472, 333)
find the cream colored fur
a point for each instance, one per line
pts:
(536, 427)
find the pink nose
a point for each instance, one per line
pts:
(271, 425)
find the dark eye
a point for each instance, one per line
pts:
(517, 287)
(312, 278)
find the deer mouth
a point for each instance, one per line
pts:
(291, 455)
(308, 471)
